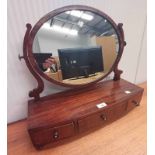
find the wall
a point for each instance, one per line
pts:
(131, 13)
(141, 75)
(36, 45)
(52, 41)
(109, 53)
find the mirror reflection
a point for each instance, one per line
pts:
(76, 47)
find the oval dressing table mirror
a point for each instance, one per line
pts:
(75, 47)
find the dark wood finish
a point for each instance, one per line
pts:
(93, 120)
(118, 72)
(63, 115)
(49, 135)
(35, 92)
(33, 67)
(134, 101)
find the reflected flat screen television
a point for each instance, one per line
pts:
(80, 62)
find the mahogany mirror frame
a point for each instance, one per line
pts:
(38, 74)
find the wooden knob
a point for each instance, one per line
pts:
(55, 135)
(20, 57)
(104, 117)
(135, 102)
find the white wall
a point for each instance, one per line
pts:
(131, 13)
(50, 41)
(141, 75)
(36, 45)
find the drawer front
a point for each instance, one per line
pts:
(92, 121)
(102, 118)
(45, 136)
(117, 110)
(134, 101)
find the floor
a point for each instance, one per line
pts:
(126, 136)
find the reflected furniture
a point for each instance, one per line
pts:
(91, 102)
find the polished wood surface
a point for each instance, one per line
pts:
(71, 112)
(126, 136)
(69, 105)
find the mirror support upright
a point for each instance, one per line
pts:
(40, 84)
(117, 72)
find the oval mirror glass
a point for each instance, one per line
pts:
(76, 47)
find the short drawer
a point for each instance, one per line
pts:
(45, 136)
(117, 110)
(134, 101)
(92, 121)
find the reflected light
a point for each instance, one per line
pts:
(80, 14)
(61, 29)
(80, 23)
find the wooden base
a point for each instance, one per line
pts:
(57, 117)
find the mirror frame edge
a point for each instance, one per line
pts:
(34, 69)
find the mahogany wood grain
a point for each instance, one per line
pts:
(79, 108)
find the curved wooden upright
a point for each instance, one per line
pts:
(40, 85)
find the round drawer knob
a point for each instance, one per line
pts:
(55, 135)
(104, 117)
(135, 102)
